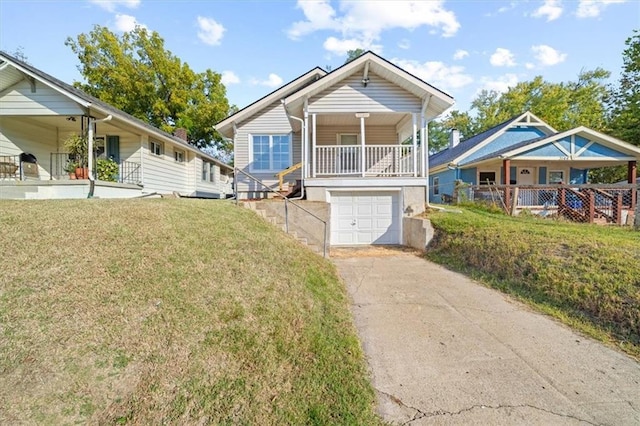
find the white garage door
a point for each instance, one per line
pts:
(365, 217)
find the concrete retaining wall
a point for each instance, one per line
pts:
(416, 232)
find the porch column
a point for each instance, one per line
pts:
(632, 176)
(424, 145)
(362, 155)
(506, 165)
(415, 145)
(305, 143)
(313, 143)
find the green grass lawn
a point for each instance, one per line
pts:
(586, 275)
(170, 312)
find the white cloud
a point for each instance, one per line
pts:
(210, 31)
(593, 8)
(460, 54)
(274, 80)
(404, 44)
(229, 77)
(436, 73)
(529, 66)
(551, 9)
(341, 47)
(126, 23)
(502, 58)
(366, 20)
(111, 5)
(547, 55)
(500, 84)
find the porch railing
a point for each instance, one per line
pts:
(379, 160)
(580, 203)
(129, 172)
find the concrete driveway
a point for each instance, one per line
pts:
(445, 350)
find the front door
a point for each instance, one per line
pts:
(526, 176)
(113, 148)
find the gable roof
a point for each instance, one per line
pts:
(225, 126)
(439, 101)
(91, 102)
(468, 146)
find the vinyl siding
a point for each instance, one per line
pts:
(18, 136)
(350, 95)
(162, 174)
(374, 135)
(220, 187)
(271, 120)
(19, 100)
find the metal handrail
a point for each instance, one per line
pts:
(286, 207)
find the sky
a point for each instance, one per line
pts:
(458, 46)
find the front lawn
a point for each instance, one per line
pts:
(170, 312)
(586, 275)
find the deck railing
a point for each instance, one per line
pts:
(379, 160)
(129, 172)
(580, 203)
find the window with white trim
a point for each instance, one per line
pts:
(436, 186)
(348, 139)
(486, 178)
(270, 153)
(178, 155)
(212, 172)
(156, 148)
(205, 171)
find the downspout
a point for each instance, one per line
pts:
(303, 132)
(92, 122)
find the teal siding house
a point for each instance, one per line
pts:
(526, 151)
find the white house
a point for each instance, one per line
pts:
(38, 112)
(351, 133)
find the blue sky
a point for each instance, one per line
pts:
(460, 47)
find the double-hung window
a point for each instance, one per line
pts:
(270, 153)
(155, 148)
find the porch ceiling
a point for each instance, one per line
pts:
(375, 119)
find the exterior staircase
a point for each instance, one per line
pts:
(267, 209)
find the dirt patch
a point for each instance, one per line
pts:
(371, 251)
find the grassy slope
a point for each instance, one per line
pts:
(586, 275)
(170, 311)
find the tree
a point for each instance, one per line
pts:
(353, 54)
(135, 73)
(625, 102)
(439, 131)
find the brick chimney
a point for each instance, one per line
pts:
(181, 133)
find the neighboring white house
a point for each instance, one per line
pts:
(38, 112)
(353, 131)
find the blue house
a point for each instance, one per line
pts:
(526, 151)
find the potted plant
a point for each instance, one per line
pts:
(71, 169)
(77, 147)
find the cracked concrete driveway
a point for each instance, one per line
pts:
(445, 350)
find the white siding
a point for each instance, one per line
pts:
(373, 135)
(272, 120)
(19, 100)
(350, 95)
(220, 187)
(18, 136)
(163, 174)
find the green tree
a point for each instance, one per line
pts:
(135, 73)
(562, 105)
(440, 130)
(353, 54)
(625, 102)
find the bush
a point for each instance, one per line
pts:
(107, 170)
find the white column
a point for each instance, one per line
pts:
(424, 144)
(305, 137)
(415, 145)
(313, 141)
(362, 154)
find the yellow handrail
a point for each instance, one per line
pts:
(290, 169)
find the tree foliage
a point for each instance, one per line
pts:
(353, 54)
(562, 105)
(625, 104)
(135, 73)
